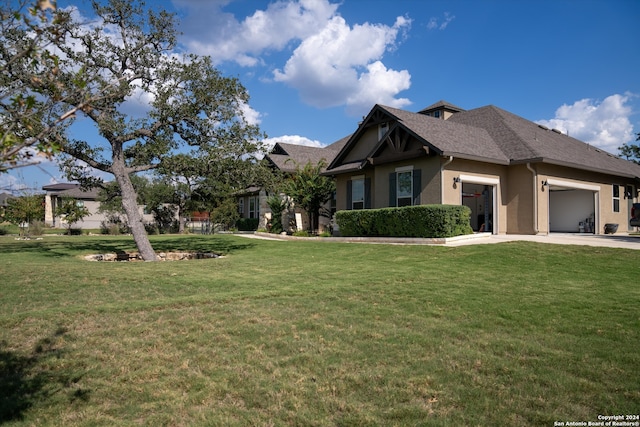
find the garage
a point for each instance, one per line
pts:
(480, 195)
(572, 207)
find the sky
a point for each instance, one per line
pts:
(315, 68)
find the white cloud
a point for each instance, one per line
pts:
(251, 116)
(340, 65)
(291, 139)
(332, 62)
(435, 23)
(210, 31)
(603, 124)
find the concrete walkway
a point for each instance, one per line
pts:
(619, 240)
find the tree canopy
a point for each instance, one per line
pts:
(120, 72)
(631, 151)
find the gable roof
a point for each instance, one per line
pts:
(491, 134)
(441, 105)
(287, 157)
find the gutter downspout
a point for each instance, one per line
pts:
(535, 198)
(442, 178)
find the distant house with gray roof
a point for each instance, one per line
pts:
(55, 193)
(517, 177)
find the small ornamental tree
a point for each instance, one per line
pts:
(25, 210)
(72, 211)
(310, 190)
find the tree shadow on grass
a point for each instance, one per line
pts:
(26, 379)
(85, 245)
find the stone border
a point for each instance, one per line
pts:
(162, 256)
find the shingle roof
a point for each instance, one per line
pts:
(442, 104)
(522, 140)
(287, 157)
(72, 190)
(451, 139)
(494, 135)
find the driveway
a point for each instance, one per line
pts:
(621, 240)
(624, 241)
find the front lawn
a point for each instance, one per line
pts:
(317, 333)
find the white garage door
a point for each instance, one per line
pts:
(570, 207)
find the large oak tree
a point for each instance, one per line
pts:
(127, 55)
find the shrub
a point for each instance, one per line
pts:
(114, 226)
(3, 231)
(36, 228)
(247, 224)
(427, 221)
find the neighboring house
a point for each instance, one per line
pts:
(252, 203)
(517, 177)
(288, 158)
(88, 199)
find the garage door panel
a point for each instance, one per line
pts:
(567, 208)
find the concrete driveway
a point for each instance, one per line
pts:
(624, 241)
(620, 240)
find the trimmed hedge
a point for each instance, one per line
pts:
(427, 221)
(247, 224)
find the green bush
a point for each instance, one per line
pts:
(427, 221)
(247, 224)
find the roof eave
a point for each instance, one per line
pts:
(576, 166)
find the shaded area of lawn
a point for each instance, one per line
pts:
(309, 333)
(63, 246)
(28, 379)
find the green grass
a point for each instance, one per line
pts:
(317, 333)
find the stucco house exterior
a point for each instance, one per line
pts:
(517, 177)
(87, 198)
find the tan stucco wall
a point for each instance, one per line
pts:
(520, 200)
(365, 144)
(430, 170)
(452, 192)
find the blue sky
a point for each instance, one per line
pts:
(314, 68)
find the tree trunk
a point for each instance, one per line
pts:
(130, 205)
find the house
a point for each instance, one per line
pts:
(87, 198)
(286, 158)
(517, 177)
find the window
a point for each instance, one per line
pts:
(241, 207)
(616, 198)
(404, 190)
(436, 114)
(357, 193)
(254, 207)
